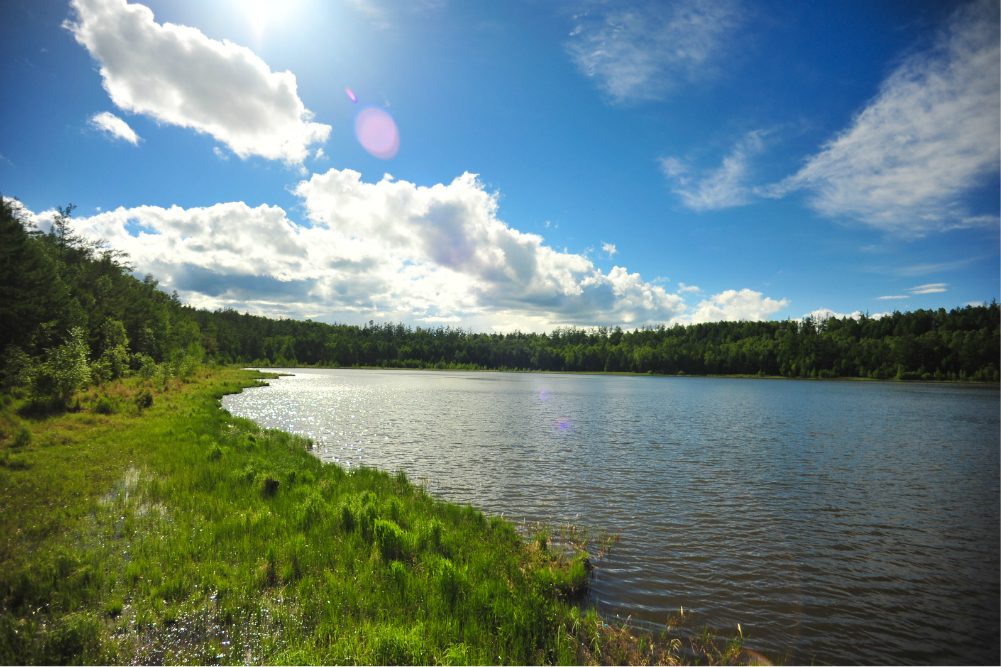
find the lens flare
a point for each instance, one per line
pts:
(377, 133)
(351, 95)
(564, 425)
(543, 396)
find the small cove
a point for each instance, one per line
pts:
(835, 521)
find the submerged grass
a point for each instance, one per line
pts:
(150, 526)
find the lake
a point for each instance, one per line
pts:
(845, 522)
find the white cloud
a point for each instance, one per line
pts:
(179, 76)
(219, 153)
(731, 305)
(888, 298)
(682, 287)
(931, 288)
(453, 318)
(114, 126)
(609, 248)
(388, 250)
(641, 52)
(450, 235)
(827, 313)
(723, 187)
(931, 134)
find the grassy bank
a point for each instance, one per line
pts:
(173, 532)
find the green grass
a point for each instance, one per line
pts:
(176, 533)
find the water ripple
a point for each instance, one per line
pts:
(835, 521)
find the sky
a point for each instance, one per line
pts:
(519, 165)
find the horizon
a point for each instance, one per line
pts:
(527, 167)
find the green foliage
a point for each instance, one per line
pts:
(392, 541)
(16, 368)
(148, 368)
(65, 369)
(23, 436)
(104, 406)
(143, 399)
(115, 351)
(962, 344)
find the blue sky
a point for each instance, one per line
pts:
(590, 163)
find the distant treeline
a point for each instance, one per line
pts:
(961, 344)
(56, 289)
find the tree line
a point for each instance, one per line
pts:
(72, 312)
(961, 344)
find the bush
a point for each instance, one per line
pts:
(104, 406)
(65, 370)
(23, 437)
(147, 367)
(16, 368)
(144, 399)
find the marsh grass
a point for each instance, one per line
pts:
(150, 526)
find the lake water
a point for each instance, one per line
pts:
(845, 522)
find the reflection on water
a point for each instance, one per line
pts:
(835, 521)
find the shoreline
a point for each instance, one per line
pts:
(178, 533)
(271, 369)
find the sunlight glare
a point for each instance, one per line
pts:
(377, 133)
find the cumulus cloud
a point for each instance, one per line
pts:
(826, 314)
(931, 134)
(391, 250)
(609, 248)
(113, 126)
(723, 187)
(179, 76)
(641, 52)
(732, 305)
(388, 250)
(450, 235)
(682, 288)
(891, 297)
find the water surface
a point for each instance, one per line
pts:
(846, 522)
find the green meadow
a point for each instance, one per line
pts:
(147, 525)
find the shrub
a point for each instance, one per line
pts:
(23, 436)
(114, 343)
(104, 406)
(65, 370)
(144, 399)
(16, 368)
(146, 365)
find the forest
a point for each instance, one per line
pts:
(72, 312)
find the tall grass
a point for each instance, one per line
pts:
(172, 532)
